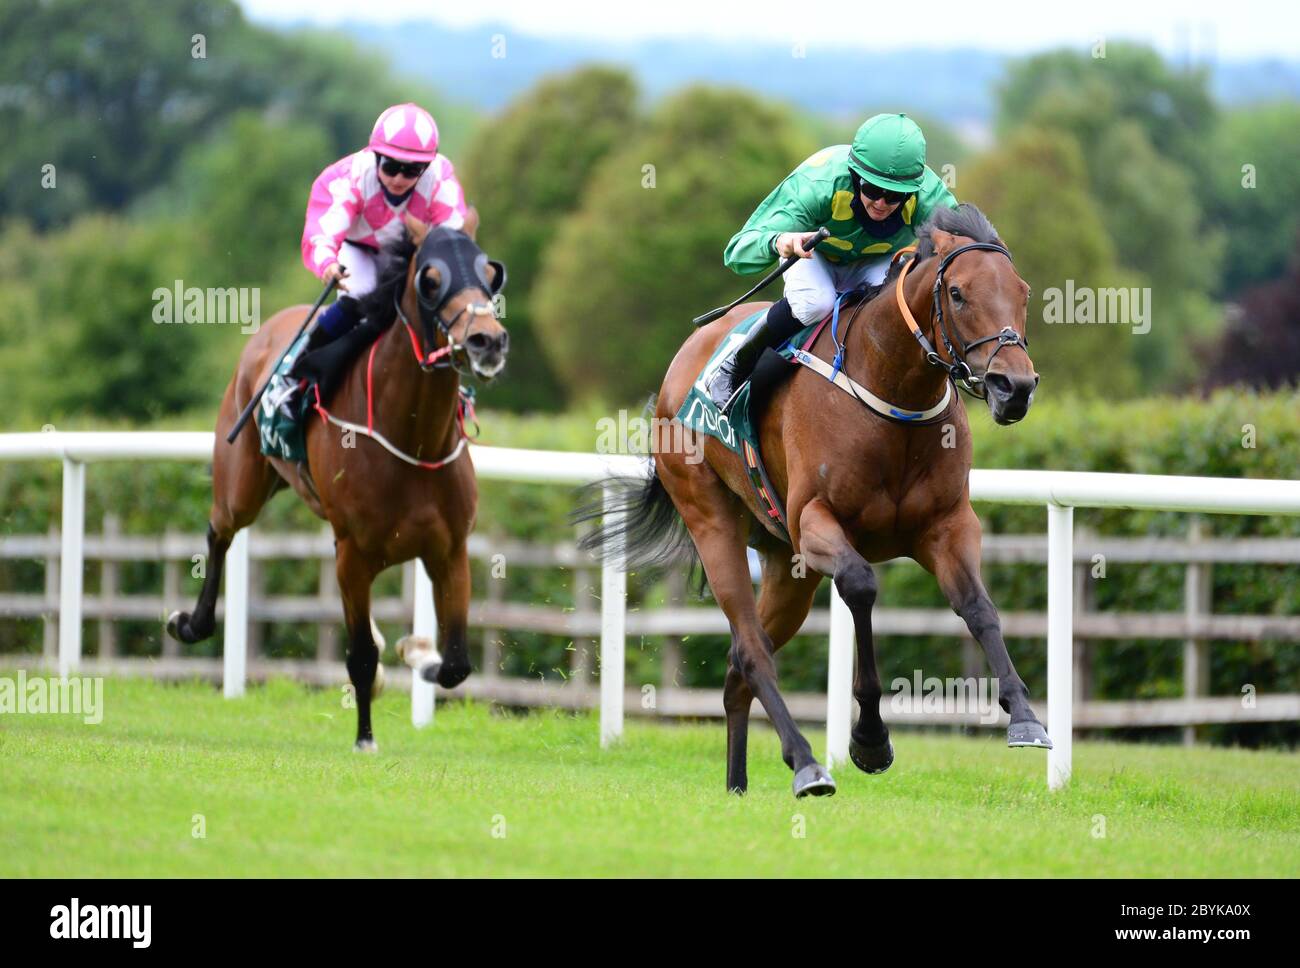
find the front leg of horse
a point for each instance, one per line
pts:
(355, 577)
(451, 593)
(952, 553)
(827, 549)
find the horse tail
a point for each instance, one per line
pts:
(639, 525)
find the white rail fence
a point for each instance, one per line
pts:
(1059, 491)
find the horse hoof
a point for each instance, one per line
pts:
(1028, 733)
(814, 780)
(421, 655)
(451, 676)
(366, 746)
(872, 759)
(174, 621)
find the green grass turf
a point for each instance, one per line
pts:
(282, 794)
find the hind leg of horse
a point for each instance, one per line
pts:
(950, 550)
(355, 574)
(827, 549)
(718, 525)
(450, 576)
(783, 602)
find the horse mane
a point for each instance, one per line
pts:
(965, 220)
(380, 305)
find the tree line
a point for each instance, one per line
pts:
(183, 140)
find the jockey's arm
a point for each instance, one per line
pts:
(332, 208)
(791, 207)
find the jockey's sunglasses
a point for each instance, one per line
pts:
(876, 193)
(408, 169)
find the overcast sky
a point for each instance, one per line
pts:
(1239, 28)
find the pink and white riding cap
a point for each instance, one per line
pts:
(406, 132)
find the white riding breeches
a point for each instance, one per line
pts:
(811, 284)
(363, 270)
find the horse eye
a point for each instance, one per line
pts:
(955, 293)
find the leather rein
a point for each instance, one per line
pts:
(958, 370)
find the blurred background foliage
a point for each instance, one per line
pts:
(611, 210)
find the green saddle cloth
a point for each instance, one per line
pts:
(282, 435)
(734, 428)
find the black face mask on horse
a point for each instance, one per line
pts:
(458, 264)
(447, 263)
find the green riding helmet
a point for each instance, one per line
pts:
(889, 151)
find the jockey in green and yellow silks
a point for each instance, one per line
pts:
(871, 195)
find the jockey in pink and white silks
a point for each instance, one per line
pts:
(357, 206)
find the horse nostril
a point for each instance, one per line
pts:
(998, 383)
(478, 342)
(504, 339)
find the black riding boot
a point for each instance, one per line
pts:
(772, 330)
(327, 364)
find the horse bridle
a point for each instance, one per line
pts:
(958, 370)
(443, 356)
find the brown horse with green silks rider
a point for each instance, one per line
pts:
(865, 449)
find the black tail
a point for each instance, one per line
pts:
(644, 530)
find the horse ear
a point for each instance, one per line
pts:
(944, 242)
(415, 229)
(471, 223)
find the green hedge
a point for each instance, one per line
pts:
(1157, 435)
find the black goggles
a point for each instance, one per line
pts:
(875, 193)
(408, 169)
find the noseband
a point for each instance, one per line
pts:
(452, 353)
(959, 370)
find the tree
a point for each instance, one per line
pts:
(1141, 128)
(642, 254)
(77, 328)
(526, 171)
(112, 95)
(1254, 190)
(109, 94)
(244, 192)
(1046, 215)
(1084, 95)
(1261, 346)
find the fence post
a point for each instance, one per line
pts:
(72, 558)
(327, 640)
(108, 587)
(613, 617)
(839, 682)
(234, 652)
(1060, 642)
(171, 596)
(425, 624)
(1197, 601)
(50, 633)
